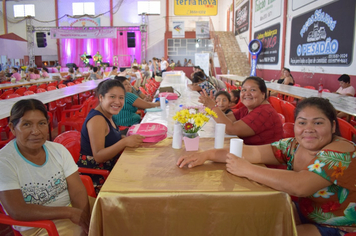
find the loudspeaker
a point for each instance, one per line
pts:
(105, 63)
(131, 42)
(69, 65)
(41, 39)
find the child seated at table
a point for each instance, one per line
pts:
(223, 99)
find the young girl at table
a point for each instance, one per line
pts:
(101, 141)
(199, 83)
(31, 74)
(70, 77)
(320, 169)
(235, 99)
(223, 99)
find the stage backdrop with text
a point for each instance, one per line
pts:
(195, 7)
(84, 22)
(202, 30)
(270, 38)
(178, 29)
(242, 18)
(80, 33)
(324, 36)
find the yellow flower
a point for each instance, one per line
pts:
(199, 121)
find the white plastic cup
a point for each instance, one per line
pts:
(162, 101)
(177, 136)
(236, 145)
(219, 136)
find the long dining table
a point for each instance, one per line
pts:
(49, 96)
(346, 104)
(25, 83)
(147, 194)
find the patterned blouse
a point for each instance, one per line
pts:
(334, 205)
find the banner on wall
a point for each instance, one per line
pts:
(83, 33)
(202, 60)
(195, 7)
(85, 22)
(270, 38)
(178, 29)
(202, 30)
(242, 18)
(266, 10)
(300, 3)
(324, 36)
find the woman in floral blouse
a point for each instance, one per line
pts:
(320, 169)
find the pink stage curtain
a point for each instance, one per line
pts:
(72, 49)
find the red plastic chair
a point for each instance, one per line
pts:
(276, 103)
(283, 119)
(297, 85)
(71, 141)
(75, 116)
(309, 87)
(13, 95)
(326, 90)
(143, 91)
(45, 224)
(6, 93)
(20, 91)
(52, 84)
(62, 86)
(288, 130)
(288, 111)
(346, 129)
(44, 86)
(50, 88)
(4, 142)
(28, 93)
(70, 84)
(4, 127)
(32, 88)
(41, 90)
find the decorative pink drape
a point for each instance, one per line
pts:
(72, 49)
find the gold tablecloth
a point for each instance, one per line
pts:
(147, 194)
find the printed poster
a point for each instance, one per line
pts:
(324, 36)
(242, 18)
(178, 29)
(202, 30)
(266, 10)
(84, 22)
(270, 38)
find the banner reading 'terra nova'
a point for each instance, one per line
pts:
(196, 7)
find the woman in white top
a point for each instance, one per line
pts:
(345, 87)
(39, 179)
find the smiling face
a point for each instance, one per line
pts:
(313, 130)
(113, 101)
(223, 102)
(251, 95)
(31, 131)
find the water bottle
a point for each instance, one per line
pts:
(320, 88)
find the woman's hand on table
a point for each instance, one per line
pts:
(134, 140)
(236, 165)
(206, 99)
(192, 160)
(81, 218)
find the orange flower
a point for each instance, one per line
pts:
(338, 170)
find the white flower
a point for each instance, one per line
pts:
(316, 166)
(323, 193)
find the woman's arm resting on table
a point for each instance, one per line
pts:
(79, 199)
(194, 87)
(97, 130)
(141, 104)
(254, 154)
(300, 184)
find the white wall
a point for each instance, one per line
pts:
(244, 38)
(2, 29)
(13, 49)
(44, 11)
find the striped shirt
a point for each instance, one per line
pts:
(127, 116)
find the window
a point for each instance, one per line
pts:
(82, 8)
(22, 10)
(149, 7)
